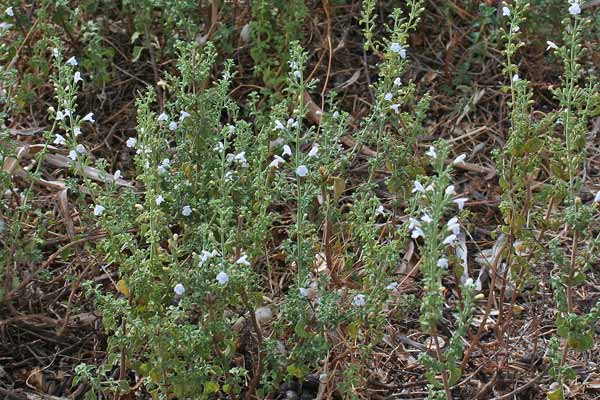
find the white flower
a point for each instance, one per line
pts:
(131, 142)
(219, 147)
(298, 74)
(241, 159)
(80, 149)
(303, 292)
(388, 96)
(442, 263)
(287, 151)
(359, 300)
(60, 115)
(183, 115)
(5, 26)
(204, 257)
(431, 152)
(461, 202)
(426, 218)
(55, 52)
(72, 155)
(243, 260)
(412, 223)
(98, 210)
(516, 28)
(551, 45)
(450, 239)
(460, 159)
(89, 117)
(392, 286)
(397, 48)
(77, 131)
(77, 77)
(276, 162)
(228, 176)
(159, 199)
(166, 163)
(397, 82)
(179, 289)
(172, 126)
(314, 150)
(416, 232)
(453, 226)
(279, 125)
(380, 210)
(10, 12)
(186, 211)
(222, 278)
(302, 171)
(396, 108)
(505, 11)
(597, 197)
(469, 282)
(575, 8)
(117, 175)
(72, 61)
(516, 78)
(336, 115)
(418, 187)
(163, 117)
(450, 190)
(207, 255)
(292, 123)
(59, 139)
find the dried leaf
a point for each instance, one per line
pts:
(63, 207)
(122, 288)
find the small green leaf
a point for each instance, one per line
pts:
(295, 371)
(211, 387)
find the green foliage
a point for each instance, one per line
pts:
(248, 252)
(275, 25)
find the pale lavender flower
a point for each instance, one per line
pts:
(131, 142)
(314, 151)
(277, 161)
(359, 300)
(302, 171)
(222, 278)
(460, 202)
(179, 289)
(98, 210)
(89, 117)
(287, 151)
(59, 139)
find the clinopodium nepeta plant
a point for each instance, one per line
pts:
(254, 249)
(437, 222)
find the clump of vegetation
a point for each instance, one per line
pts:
(232, 221)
